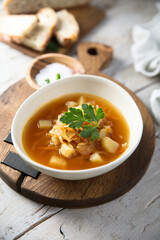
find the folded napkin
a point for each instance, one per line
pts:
(155, 104)
(146, 48)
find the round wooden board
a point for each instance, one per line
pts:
(74, 194)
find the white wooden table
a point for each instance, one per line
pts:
(135, 215)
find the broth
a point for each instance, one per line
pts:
(37, 142)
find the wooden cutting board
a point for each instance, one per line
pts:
(83, 193)
(88, 17)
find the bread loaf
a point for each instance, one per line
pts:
(32, 6)
(67, 29)
(14, 28)
(38, 38)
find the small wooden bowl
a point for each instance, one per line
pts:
(42, 61)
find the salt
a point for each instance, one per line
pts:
(50, 72)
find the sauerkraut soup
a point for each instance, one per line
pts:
(76, 131)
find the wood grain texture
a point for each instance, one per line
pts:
(90, 192)
(94, 56)
(97, 190)
(88, 17)
(8, 107)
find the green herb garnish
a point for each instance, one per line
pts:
(58, 76)
(47, 80)
(76, 119)
(52, 46)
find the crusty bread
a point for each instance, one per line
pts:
(15, 27)
(32, 6)
(38, 38)
(67, 29)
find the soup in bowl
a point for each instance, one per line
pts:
(77, 128)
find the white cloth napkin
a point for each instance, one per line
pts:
(146, 48)
(146, 55)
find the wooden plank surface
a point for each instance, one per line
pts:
(136, 214)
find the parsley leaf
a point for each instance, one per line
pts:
(47, 80)
(89, 131)
(89, 113)
(76, 117)
(99, 114)
(58, 76)
(95, 134)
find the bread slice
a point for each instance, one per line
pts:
(38, 38)
(32, 6)
(67, 29)
(15, 27)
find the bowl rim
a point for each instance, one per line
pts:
(123, 157)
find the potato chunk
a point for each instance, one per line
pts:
(105, 132)
(45, 124)
(96, 158)
(81, 100)
(71, 104)
(67, 150)
(58, 162)
(55, 140)
(109, 145)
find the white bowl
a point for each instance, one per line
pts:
(79, 84)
